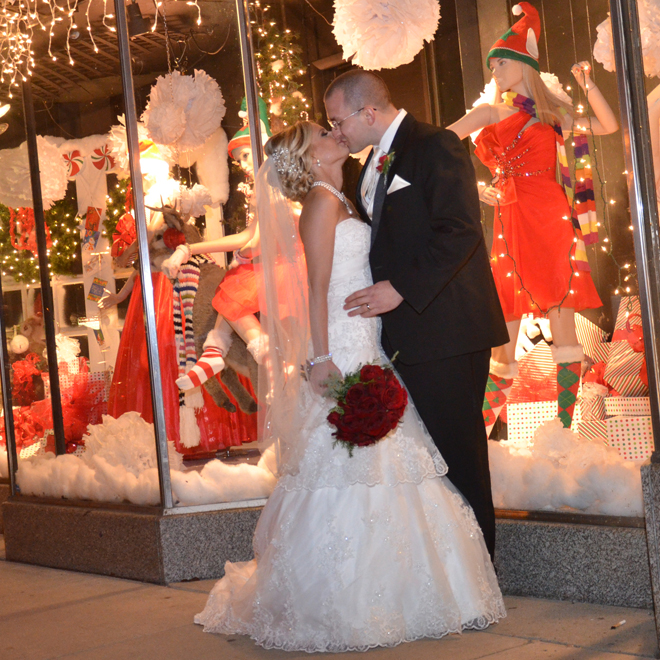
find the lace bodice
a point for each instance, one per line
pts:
(407, 455)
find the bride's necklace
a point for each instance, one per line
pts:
(339, 195)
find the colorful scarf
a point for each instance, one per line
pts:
(581, 198)
(184, 292)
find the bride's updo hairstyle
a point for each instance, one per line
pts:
(291, 153)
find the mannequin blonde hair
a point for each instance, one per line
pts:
(547, 104)
(291, 151)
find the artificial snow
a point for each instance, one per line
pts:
(560, 470)
(119, 464)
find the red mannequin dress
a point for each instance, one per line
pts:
(131, 390)
(535, 230)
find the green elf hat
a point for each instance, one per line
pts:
(242, 137)
(520, 42)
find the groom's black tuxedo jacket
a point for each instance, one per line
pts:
(428, 242)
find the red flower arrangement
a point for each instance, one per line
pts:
(370, 404)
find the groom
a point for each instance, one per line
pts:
(433, 285)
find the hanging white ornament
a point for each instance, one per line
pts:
(15, 183)
(649, 24)
(384, 34)
(184, 111)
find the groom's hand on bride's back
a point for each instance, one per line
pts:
(377, 299)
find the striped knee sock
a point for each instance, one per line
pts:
(209, 364)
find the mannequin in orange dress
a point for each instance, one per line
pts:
(538, 259)
(237, 297)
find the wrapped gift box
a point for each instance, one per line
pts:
(627, 406)
(623, 368)
(590, 336)
(537, 377)
(592, 408)
(631, 436)
(525, 418)
(601, 352)
(594, 429)
(629, 305)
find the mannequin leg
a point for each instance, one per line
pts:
(211, 361)
(249, 330)
(567, 354)
(503, 369)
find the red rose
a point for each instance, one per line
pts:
(356, 394)
(394, 396)
(371, 372)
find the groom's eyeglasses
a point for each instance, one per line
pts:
(336, 125)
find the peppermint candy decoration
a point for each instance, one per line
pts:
(74, 162)
(102, 158)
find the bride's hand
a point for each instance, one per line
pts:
(320, 375)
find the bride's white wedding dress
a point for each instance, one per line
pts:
(353, 553)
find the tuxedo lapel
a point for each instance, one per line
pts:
(384, 180)
(358, 194)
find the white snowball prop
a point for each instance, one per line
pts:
(15, 185)
(649, 23)
(384, 34)
(19, 344)
(184, 111)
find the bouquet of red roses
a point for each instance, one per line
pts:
(370, 403)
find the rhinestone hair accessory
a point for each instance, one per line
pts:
(285, 164)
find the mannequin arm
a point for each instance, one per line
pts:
(473, 121)
(109, 299)
(229, 243)
(604, 122)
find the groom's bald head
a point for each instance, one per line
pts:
(359, 109)
(360, 88)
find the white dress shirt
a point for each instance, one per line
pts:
(372, 175)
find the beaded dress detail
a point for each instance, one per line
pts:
(533, 244)
(353, 553)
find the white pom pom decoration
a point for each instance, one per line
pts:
(193, 200)
(649, 23)
(184, 111)
(119, 145)
(15, 185)
(384, 34)
(19, 344)
(516, 10)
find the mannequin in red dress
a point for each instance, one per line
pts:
(534, 250)
(216, 428)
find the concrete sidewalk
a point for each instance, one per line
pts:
(46, 613)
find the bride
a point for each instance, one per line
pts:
(350, 552)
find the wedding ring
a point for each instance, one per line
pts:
(369, 308)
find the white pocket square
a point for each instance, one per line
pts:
(397, 184)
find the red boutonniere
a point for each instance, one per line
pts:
(385, 162)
